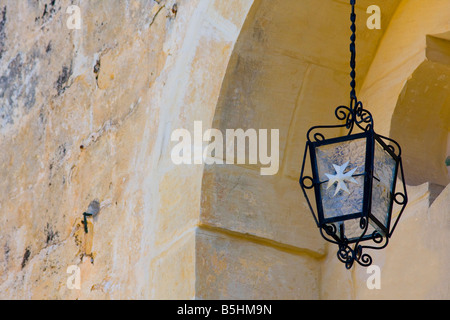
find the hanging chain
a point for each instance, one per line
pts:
(353, 51)
(354, 115)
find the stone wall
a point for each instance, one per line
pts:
(87, 115)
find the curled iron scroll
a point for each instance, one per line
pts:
(353, 117)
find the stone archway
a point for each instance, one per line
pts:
(288, 71)
(406, 89)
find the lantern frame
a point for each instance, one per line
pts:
(355, 117)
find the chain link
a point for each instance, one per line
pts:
(353, 51)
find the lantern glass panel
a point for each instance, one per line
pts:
(336, 201)
(352, 229)
(342, 203)
(384, 172)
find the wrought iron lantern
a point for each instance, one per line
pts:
(354, 179)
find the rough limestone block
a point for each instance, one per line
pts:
(271, 207)
(229, 267)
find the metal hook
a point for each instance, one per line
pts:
(93, 209)
(86, 214)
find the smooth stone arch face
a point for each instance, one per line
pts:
(421, 123)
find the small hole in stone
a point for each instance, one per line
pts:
(175, 9)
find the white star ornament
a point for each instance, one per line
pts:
(340, 177)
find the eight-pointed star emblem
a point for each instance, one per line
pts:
(340, 178)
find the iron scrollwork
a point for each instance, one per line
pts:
(353, 117)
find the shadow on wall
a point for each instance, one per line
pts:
(421, 121)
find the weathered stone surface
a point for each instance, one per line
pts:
(88, 114)
(84, 116)
(234, 268)
(270, 207)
